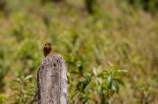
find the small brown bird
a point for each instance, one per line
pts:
(47, 49)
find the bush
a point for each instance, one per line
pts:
(147, 5)
(25, 92)
(97, 86)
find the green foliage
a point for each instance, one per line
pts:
(147, 5)
(116, 32)
(24, 91)
(4, 66)
(99, 83)
(2, 98)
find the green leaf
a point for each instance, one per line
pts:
(95, 93)
(99, 91)
(99, 80)
(109, 82)
(110, 64)
(94, 71)
(119, 81)
(113, 89)
(109, 101)
(102, 74)
(116, 86)
(88, 90)
(86, 81)
(99, 68)
(28, 77)
(78, 85)
(122, 71)
(87, 102)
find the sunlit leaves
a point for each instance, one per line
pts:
(101, 82)
(122, 71)
(25, 92)
(94, 71)
(28, 77)
(110, 64)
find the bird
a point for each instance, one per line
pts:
(47, 49)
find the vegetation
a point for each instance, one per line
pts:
(147, 5)
(111, 54)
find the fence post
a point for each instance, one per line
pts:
(52, 81)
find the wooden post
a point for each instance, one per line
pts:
(52, 81)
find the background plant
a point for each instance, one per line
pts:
(96, 86)
(24, 91)
(115, 32)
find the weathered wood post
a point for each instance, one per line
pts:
(52, 81)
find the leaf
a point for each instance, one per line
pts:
(99, 91)
(94, 71)
(95, 93)
(116, 86)
(113, 89)
(119, 81)
(110, 64)
(28, 77)
(78, 85)
(88, 90)
(99, 68)
(122, 71)
(109, 82)
(86, 81)
(99, 80)
(109, 102)
(87, 102)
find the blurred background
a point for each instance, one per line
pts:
(110, 48)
